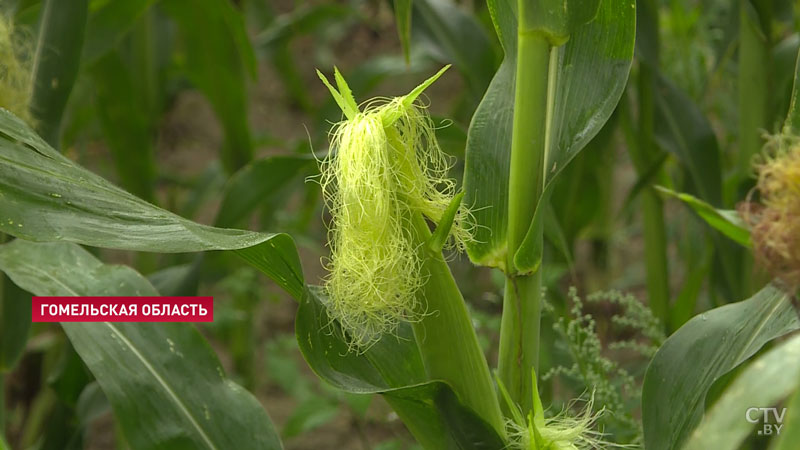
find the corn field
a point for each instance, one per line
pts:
(424, 224)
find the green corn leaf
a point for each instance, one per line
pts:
(392, 367)
(590, 73)
(412, 96)
(312, 413)
(439, 237)
(248, 187)
(554, 233)
(165, 384)
(764, 382)
(92, 404)
(644, 182)
(107, 25)
(55, 67)
(580, 203)
(704, 349)
(454, 36)
(792, 124)
(647, 33)
(46, 197)
(182, 280)
(728, 222)
(790, 435)
(68, 378)
(203, 189)
(127, 124)
(275, 41)
(218, 55)
(402, 18)
(530, 251)
(304, 19)
(683, 130)
(784, 67)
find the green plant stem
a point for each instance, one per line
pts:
(754, 82)
(519, 330)
(655, 237)
(603, 224)
(655, 253)
(754, 63)
(519, 336)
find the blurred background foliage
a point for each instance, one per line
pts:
(212, 109)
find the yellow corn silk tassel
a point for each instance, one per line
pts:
(561, 432)
(385, 166)
(775, 221)
(15, 75)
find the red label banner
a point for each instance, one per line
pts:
(123, 309)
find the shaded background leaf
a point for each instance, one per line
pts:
(457, 38)
(393, 367)
(764, 382)
(682, 129)
(55, 68)
(250, 185)
(164, 382)
(47, 197)
(402, 17)
(704, 349)
(727, 222)
(127, 124)
(107, 25)
(218, 58)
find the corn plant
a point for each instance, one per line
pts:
(389, 317)
(765, 316)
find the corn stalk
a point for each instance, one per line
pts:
(519, 332)
(644, 155)
(565, 87)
